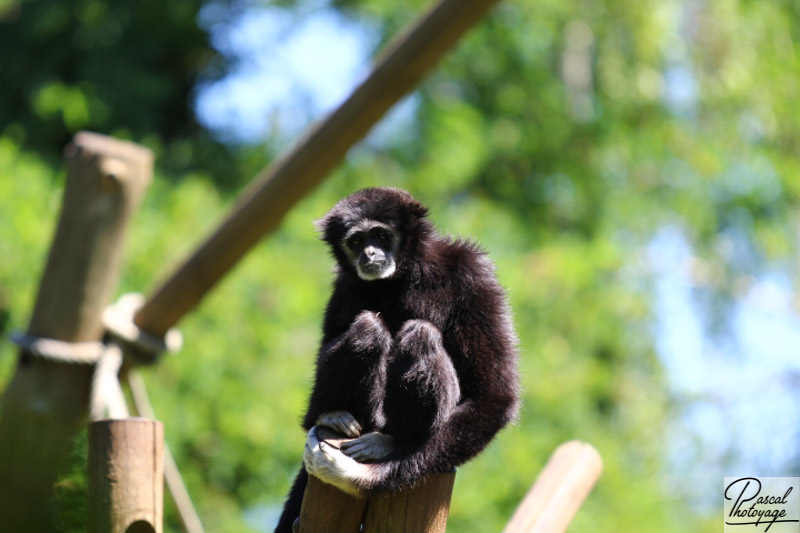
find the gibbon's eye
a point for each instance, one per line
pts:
(383, 235)
(354, 242)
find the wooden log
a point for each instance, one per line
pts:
(126, 476)
(46, 403)
(275, 190)
(420, 509)
(187, 515)
(325, 508)
(559, 491)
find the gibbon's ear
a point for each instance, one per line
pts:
(331, 227)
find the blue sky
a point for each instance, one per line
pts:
(737, 397)
(289, 70)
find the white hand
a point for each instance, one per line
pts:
(333, 467)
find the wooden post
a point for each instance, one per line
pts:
(126, 476)
(326, 509)
(45, 403)
(262, 206)
(190, 520)
(559, 491)
(421, 509)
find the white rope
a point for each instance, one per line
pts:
(82, 353)
(106, 398)
(118, 321)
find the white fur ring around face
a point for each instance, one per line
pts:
(332, 466)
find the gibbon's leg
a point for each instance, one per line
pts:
(350, 378)
(422, 385)
(422, 391)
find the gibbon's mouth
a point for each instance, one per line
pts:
(375, 270)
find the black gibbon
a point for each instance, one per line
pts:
(418, 363)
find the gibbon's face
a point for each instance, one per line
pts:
(372, 247)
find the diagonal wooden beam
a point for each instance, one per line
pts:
(559, 491)
(278, 188)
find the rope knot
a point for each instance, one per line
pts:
(124, 339)
(144, 347)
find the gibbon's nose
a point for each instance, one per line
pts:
(373, 253)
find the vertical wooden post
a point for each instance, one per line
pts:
(421, 509)
(559, 491)
(326, 509)
(126, 476)
(45, 403)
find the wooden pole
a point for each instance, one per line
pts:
(421, 509)
(327, 509)
(261, 207)
(559, 491)
(187, 514)
(46, 402)
(126, 476)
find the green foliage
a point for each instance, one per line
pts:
(552, 135)
(127, 68)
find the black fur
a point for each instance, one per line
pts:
(428, 355)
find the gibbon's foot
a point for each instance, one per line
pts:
(340, 421)
(333, 467)
(369, 447)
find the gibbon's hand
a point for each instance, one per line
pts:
(369, 447)
(340, 421)
(330, 465)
